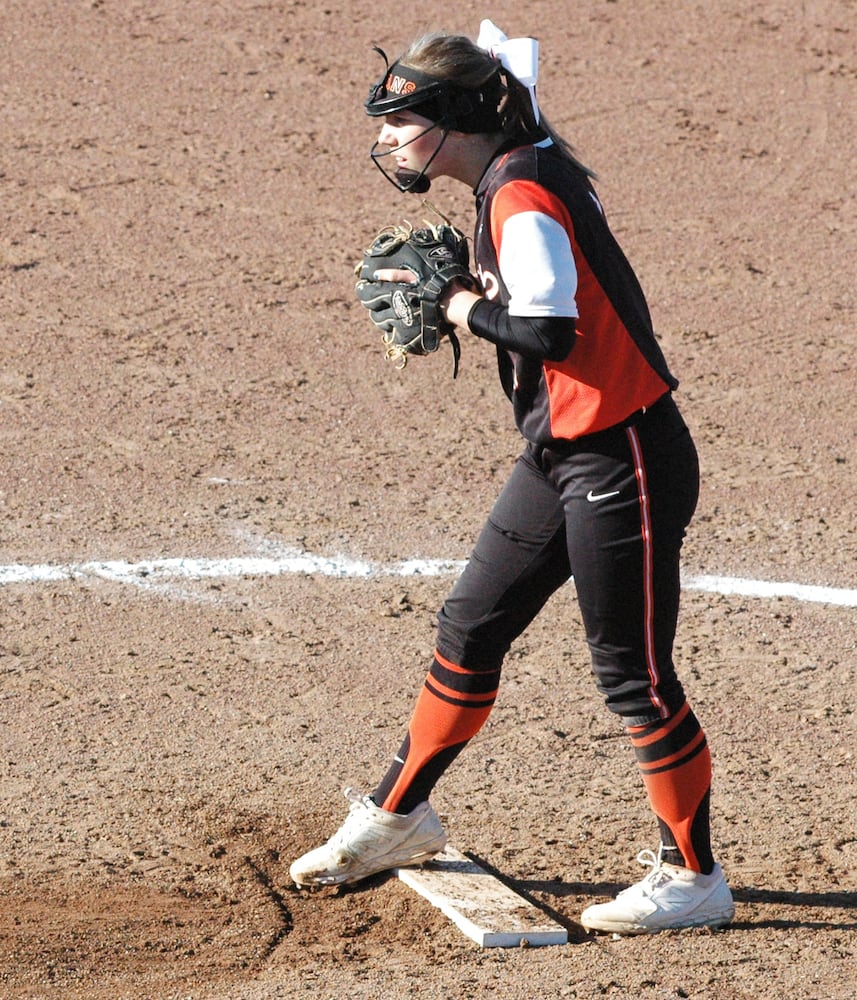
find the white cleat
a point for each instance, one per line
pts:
(371, 840)
(668, 898)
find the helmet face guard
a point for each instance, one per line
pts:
(444, 104)
(407, 180)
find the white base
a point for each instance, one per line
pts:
(481, 905)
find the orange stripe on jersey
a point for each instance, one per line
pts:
(525, 196)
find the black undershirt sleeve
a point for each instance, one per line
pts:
(542, 338)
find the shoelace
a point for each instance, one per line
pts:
(657, 876)
(649, 859)
(356, 803)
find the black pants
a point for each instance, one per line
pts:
(610, 510)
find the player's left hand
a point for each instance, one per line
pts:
(404, 277)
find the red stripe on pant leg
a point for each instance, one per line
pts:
(648, 572)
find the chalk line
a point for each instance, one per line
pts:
(290, 561)
(157, 572)
(846, 598)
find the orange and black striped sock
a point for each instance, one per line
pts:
(451, 709)
(675, 762)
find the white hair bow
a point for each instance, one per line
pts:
(520, 56)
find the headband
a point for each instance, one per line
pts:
(439, 100)
(518, 56)
(401, 87)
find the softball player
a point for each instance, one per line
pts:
(603, 491)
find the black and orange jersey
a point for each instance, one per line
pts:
(543, 249)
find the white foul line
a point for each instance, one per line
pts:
(766, 588)
(156, 572)
(290, 561)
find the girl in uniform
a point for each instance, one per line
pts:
(604, 489)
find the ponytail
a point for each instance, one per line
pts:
(519, 123)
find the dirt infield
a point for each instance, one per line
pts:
(185, 377)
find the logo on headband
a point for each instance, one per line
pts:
(400, 85)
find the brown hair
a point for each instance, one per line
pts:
(460, 60)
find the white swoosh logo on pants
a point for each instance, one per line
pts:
(594, 497)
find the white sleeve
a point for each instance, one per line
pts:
(537, 266)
